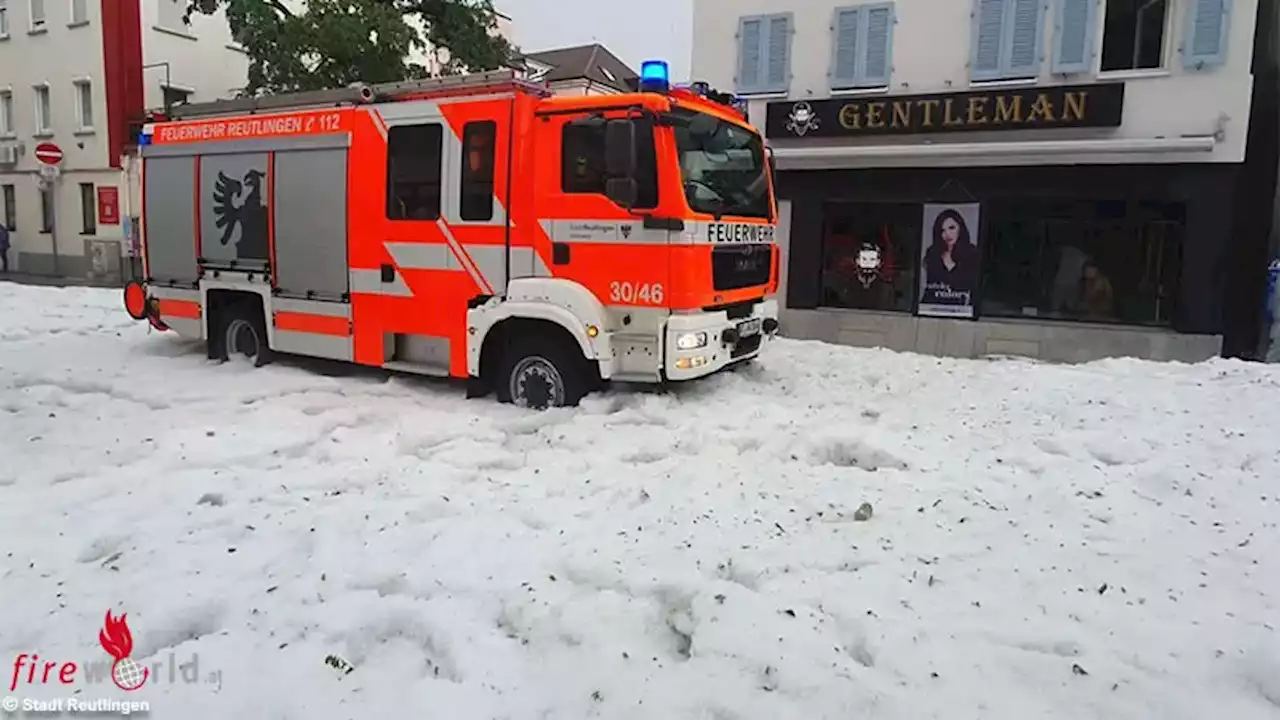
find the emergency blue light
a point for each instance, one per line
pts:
(655, 76)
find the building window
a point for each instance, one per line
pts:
(88, 209)
(37, 14)
(1104, 261)
(46, 210)
(1133, 35)
(478, 140)
(413, 171)
(44, 112)
(10, 207)
(7, 127)
(862, 47)
(174, 97)
(582, 161)
(764, 53)
(869, 255)
(4, 18)
(1007, 39)
(79, 12)
(84, 104)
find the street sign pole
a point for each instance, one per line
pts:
(50, 155)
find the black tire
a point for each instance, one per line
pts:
(240, 330)
(538, 372)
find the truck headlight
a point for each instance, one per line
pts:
(691, 341)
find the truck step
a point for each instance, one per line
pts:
(416, 368)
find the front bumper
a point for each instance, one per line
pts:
(725, 345)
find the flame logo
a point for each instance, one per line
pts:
(116, 639)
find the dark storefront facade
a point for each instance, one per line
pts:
(1061, 260)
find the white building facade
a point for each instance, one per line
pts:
(1083, 156)
(75, 74)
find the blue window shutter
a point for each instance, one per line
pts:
(988, 33)
(1206, 43)
(1023, 57)
(845, 47)
(1073, 40)
(750, 54)
(777, 76)
(877, 51)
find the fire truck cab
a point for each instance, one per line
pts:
(471, 227)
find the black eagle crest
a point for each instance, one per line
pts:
(250, 214)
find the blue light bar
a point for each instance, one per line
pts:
(655, 76)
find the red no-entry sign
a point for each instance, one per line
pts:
(48, 153)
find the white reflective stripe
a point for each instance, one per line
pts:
(409, 112)
(422, 256)
(161, 292)
(486, 264)
(602, 231)
(731, 233)
(488, 259)
(370, 282)
(313, 344)
(463, 258)
(526, 262)
(311, 307)
(475, 98)
(378, 122)
(588, 230)
(491, 262)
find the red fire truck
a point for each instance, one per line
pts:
(470, 226)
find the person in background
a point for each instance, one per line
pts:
(4, 249)
(1096, 296)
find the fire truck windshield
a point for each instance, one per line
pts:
(722, 165)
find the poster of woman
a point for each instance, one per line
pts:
(949, 260)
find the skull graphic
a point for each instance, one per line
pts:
(802, 118)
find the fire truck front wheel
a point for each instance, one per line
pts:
(539, 372)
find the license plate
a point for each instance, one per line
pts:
(749, 327)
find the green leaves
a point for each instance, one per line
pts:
(317, 44)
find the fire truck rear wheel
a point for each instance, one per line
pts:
(540, 372)
(243, 334)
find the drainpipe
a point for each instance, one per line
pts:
(167, 83)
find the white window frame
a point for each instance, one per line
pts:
(41, 23)
(860, 83)
(1007, 74)
(44, 122)
(4, 19)
(1168, 48)
(83, 85)
(8, 123)
(74, 22)
(764, 88)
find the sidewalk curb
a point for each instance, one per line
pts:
(48, 281)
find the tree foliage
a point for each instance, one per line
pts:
(298, 45)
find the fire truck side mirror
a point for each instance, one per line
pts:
(620, 148)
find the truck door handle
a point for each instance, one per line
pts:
(388, 273)
(559, 253)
